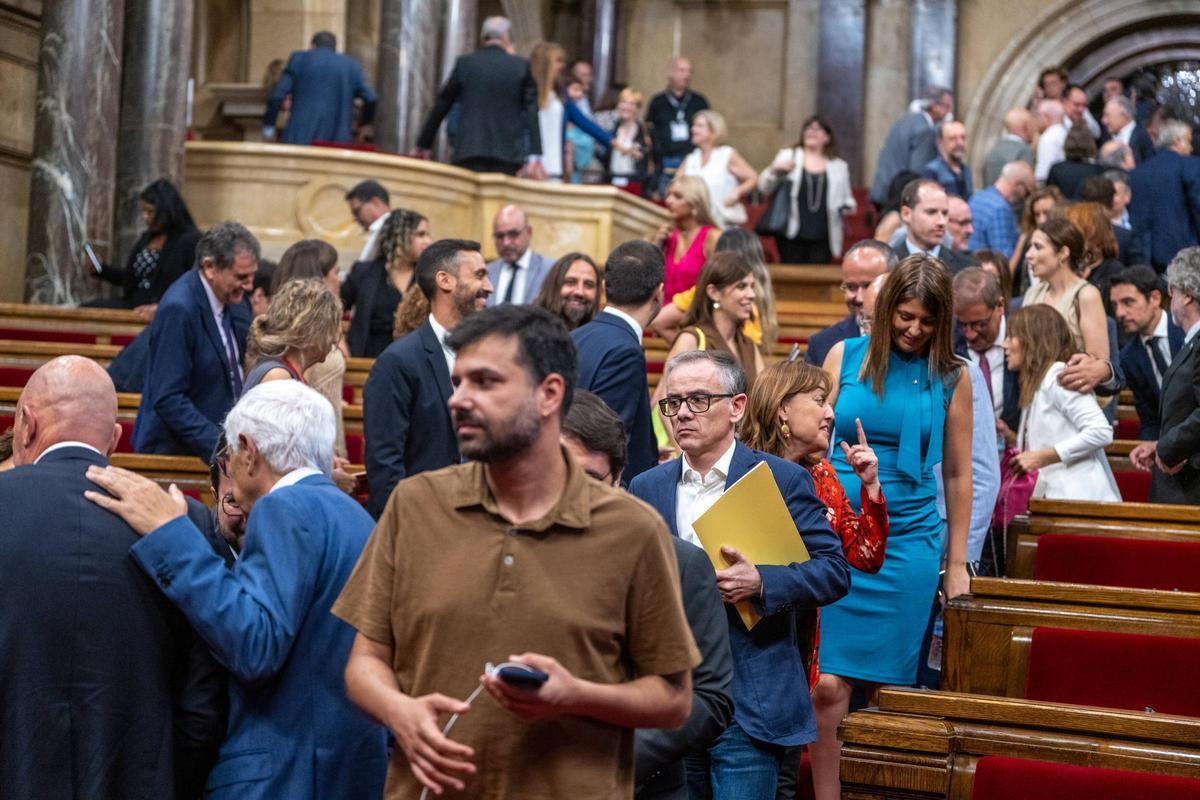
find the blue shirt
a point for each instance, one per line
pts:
(995, 224)
(960, 184)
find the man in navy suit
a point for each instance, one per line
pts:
(197, 342)
(612, 362)
(1154, 339)
(518, 273)
(106, 690)
(1165, 210)
(705, 401)
(406, 419)
(863, 263)
(293, 732)
(979, 316)
(925, 210)
(323, 85)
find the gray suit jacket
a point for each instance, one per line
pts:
(1179, 436)
(909, 145)
(1002, 152)
(539, 265)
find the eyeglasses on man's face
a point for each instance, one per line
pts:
(978, 326)
(513, 234)
(697, 403)
(230, 506)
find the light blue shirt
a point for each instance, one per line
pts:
(985, 469)
(1192, 331)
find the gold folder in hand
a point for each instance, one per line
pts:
(752, 518)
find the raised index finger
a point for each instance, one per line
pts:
(862, 436)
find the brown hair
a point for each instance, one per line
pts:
(411, 313)
(1045, 338)
(1003, 271)
(308, 259)
(541, 64)
(1099, 240)
(550, 297)
(774, 386)
(721, 270)
(926, 280)
(1062, 233)
(1027, 219)
(830, 150)
(302, 314)
(397, 231)
(1079, 144)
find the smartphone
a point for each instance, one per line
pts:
(360, 484)
(91, 254)
(522, 676)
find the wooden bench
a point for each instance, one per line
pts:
(922, 744)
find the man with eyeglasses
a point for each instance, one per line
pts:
(863, 263)
(518, 273)
(705, 401)
(979, 310)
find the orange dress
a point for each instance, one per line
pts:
(864, 536)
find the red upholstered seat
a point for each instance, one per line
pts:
(1004, 778)
(125, 445)
(121, 339)
(1112, 561)
(1115, 670)
(1128, 428)
(354, 447)
(34, 335)
(347, 393)
(1133, 484)
(193, 493)
(15, 376)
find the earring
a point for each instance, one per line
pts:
(716, 305)
(786, 431)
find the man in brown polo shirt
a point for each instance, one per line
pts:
(516, 556)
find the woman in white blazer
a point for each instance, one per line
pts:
(1062, 433)
(820, 195)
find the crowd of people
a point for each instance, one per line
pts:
(520, 604)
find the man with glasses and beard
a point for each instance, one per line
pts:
(406, 424)
(520, 557)
(519, 272)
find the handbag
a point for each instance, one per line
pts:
(1015, 491)
(774, 221)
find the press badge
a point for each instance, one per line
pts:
(679, 131)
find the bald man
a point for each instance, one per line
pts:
(106, 691)
(992, 209)
(518, 273)
(669, 116)
(1015, 144)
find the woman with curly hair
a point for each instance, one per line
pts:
(299, 329)
(374, 289)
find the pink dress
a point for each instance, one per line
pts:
(683, 271)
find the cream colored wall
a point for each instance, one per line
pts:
(18, 92)
(277, 27)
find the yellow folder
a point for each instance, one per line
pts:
(752, 518)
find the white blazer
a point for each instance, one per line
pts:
(839, 197)
(1073, 424)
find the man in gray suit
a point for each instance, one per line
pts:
(910, 144)
(1174, 460)
(1013, 145)
(518, 273)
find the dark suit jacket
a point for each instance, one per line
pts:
(1069, 176)
(1165, 211)
(323, 85)
(361, 290)
(1010, 411)
(613, 365)
(1127, 246)
(658, 754)
(821, 342)
(177, 257)
(955, 262)
(1179, 436)
(1139, 374)
(187, 391)
(770, 685)
(406, 416)
(106, 691)
(499, 108)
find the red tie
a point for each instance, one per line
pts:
(986, 369)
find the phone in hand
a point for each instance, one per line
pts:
(521, 676)
(97, 267)
(360, 484)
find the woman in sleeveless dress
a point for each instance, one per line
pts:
(911, 395)
(302, 325)
(691, 237)
(726, 174)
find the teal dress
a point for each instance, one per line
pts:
(874, 633)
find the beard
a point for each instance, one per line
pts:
(465, 301)
(490, 444)
(575, 314)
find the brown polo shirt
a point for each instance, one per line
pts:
(450, 585)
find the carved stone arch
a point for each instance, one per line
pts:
(1061, 34)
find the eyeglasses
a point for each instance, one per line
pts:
(697, 403)
(230, 506)
(221, 459)
(515, 233)
(979, 326)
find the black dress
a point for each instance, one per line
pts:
(147, 273)
(374, 300)
(811, 243)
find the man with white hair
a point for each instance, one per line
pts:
(1120, 123)
(1165, 211)
(292, 731)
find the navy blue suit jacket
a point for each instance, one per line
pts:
(821, 342)
(323, 84)
(612, 364)
(293, 732)
(1139, 374)
(406, 414)
(770, 685)
(187, 390)
(1010, 410)
(1165, 211)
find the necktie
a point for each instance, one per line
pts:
(1160, 363)
(235, 370)
(512, 283)
(986, 369)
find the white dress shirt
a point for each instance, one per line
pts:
(697, 495)
(915, 249)
(368, 251)
(1161, 342)
(441, 334)
(218, 311)
(1050, 150)
(630, 321)
(61, 445)
(521, 277)
(995, 360)
(1191, 333)
(294, 477)
(1126, 133)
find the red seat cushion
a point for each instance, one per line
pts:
(15, 376)
(354, 447)
(347, 393)
(1133, 484)
(1128, 428)
(1005, 778)
(35, 335)
(1111, 561)
(125, 445)
(1115, 670)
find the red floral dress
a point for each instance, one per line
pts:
(864, 536)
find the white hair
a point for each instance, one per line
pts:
(495, 28)
(1169, 130)
(290, 424)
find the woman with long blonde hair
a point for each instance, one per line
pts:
(691, 236)
(299, 329)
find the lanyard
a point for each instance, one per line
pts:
(680, 105)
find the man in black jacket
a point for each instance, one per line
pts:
(925, 210)
(106, 690)
(498, 101)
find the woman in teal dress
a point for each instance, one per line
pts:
(913, 397)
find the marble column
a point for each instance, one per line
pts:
(408, 70)
(841, 76)
(604, 48)
(153, 126)
(74, 150)
(459, 34)
(934, 45)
